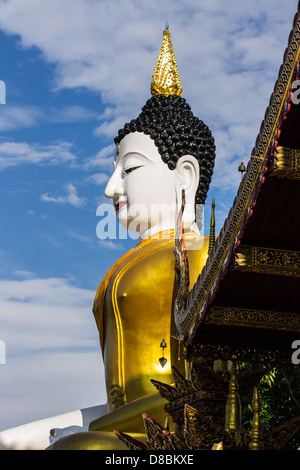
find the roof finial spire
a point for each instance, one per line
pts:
(166, 79)
(212, 236)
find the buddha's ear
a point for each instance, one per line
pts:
(187, 178)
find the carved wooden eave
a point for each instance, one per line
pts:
(254, 266)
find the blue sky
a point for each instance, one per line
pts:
(75, 71)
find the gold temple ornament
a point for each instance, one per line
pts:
(163, 360)
(286, 163)
(212, 233)
(233, 404)
(166, 79)
(267, 260)
(256, 422)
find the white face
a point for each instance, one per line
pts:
(142, 187)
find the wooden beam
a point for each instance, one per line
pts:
(266, 260)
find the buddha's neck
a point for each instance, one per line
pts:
(165, 228)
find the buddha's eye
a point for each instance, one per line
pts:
(126, 171)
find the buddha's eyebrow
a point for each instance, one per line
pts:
(135, 153)
(126, 155)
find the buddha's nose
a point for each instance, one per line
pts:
(114, 187)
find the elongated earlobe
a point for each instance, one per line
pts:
(187, 176)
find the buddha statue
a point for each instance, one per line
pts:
(163, 165)
(162, 154)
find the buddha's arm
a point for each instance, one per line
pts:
(129, 417)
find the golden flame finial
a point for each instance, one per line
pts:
(233, 404)
(212, 234)
(256, 422)
(166, 79)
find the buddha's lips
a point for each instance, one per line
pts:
(119, 205)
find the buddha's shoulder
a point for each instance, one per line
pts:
(151, 264)
(153, 255)
(162, 250)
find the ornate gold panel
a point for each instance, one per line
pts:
(286, 163)
(267, 261)
(254, 318)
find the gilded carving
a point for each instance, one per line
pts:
(206, 391)
(286, 163)
(200, 432)
(234, 316)
(116, 397)
(246, 351)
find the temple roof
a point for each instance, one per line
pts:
(251, 282)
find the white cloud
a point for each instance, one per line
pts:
(78, 236)
(69, 114)
(51, 291)
(23, 274)
(18, 117)
(54, 241)
(98, 178)
(14, 117)
(22, 153)
(8, 262)
(110, 245)
(110, 128)
(71, 197)
(52, 349)
(103, 159)
(41, 385)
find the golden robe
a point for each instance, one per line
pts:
(134, 311)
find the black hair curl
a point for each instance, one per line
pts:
(170, 123)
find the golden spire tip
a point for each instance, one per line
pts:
(165, 80)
